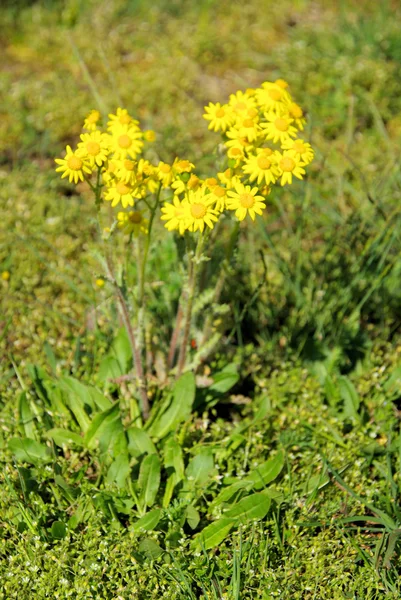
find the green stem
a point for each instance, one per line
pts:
(192, 273)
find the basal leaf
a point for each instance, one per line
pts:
(212, 535)
(255, 506)
(179, 409)
(30, 451)
(149, 521)
(64, 437)
(149, 480)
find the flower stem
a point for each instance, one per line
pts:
(192, 274)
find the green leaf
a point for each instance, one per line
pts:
(26, 416)
(225, 379)
(266, 472)
(227, 493)
(58, 530)
(350, 396)
(139, 442)
(214, 534)
(180, 408)
(193, 516)
(119, 471)
(149, 479)
(150, 548)
(77, 397)
(28, 450)
(105, 427)
(64, 437)
(200, 468)
(255, 506)
(149, 521)
(174, 464)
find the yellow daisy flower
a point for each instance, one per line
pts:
(297, 114)
(122, 117)
(95, 147)
(289, 164)
(91, 120)
(229, 178)
(149, 135)
(182, 166)
(5, 275)
(262, 167)
(100, 282)
(302, 148)
(199, 210)
(133, 221)
(245, 201)
(272, 97)
(282, 83)
(236, 138)
(241, 102)
(125, 142)
(121, 191)
(249, 129)
(180, 186)
(220, 116)
(236, 153)
(73, 166)
(175, 215)
(219, 195)
(165, 174)
(278, 128)
(126, 170)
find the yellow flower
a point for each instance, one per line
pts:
(165, 174)
(133, 221)
(289, 164)
(100, 282)
(180, 186)
(282, 83)
(248, 128)
(302, 148)
(245, 201)
(219, 195)
(125, 142)
(95, 147)
(149, 135)
(241, 102)
(200, 211)
(91, 120)
(297, 114)
(236, 138)
(121, 191)
(228, 178)
(182, 166)
(262, 167)
(272, 96)
(5, 275)
(236, 153)
(220, 116)
(175, 215)
(126, 170)
(73, 166)
(279, 128)
(121, 118)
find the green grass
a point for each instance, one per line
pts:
(317, 353)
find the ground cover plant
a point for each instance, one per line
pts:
(269, 466)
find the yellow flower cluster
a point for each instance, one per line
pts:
(259, 129)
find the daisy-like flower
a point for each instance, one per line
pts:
(296, 113)
(200, 210)
(278, 128)
(272, 97)
(121, 191)
(229, 178)
(122, 117)
(125, 142)
(289, 164)
(126, 170)
(245, 201)
(219, 195)
(302, 148)
(262, 167)
(180, 186)
(248, 128)
(149, 135)
(133, 221)
(73, 166)
(221, 117)
(282, 83)
(236, 138)
(95, 147)
(241, 102)
(236, 154)
(165, 174)
(91, 120)
(175, 215)
(182, 166)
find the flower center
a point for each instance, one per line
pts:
(165, 168)
(236, 152)
(193, 182)
(244, 142)
(275, 94)
(122, 188)
(220, 113)
(198, 211)
(129, 165)
(247, 200)
(124, 141)
(263, 163)
(240, 106)
(219, 191)
(93, 148)
(296, 111)
(248, 123)
(252, 112)
(183, 165)
(281, 124)
(287, 164)
(125, 119)
(74, 163)
(211, 182)
(267, 151)
(299, 147)
(135, 216)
